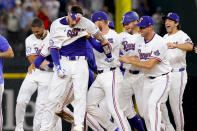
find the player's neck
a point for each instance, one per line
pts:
(173, 32)
(105, 30)
(149, 36)
(135, 30)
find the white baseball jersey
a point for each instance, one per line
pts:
(34, 45)
(60, 37)
(177, 57)
(128, 47)
(114, 41)
(155, 48)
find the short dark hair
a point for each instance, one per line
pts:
(76, 9)
(37, 23)
(178, 26)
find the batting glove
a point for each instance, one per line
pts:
(109, 59)
(60, 71)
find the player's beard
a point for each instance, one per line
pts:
(39, 36)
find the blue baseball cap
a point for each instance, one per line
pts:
(111, 24)
(145, 21)
(129, 17)
(99, 15)
(173, 16)
(73, 16)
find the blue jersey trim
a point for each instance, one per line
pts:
(63, 21)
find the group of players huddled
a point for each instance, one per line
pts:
(137, 62)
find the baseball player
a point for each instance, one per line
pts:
(133, 77)
(38, 80)
(152, 52)
(68, 51)
(5, 52)
(178, 43)
(108, 81)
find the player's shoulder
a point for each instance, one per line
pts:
(181, 33)
(112, 32)
(30, 38)
(158, 37)
(60, 21)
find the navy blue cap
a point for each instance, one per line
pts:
(145, 21)
(173, 16)
(111, 24)
(99, 15)
(129, 17)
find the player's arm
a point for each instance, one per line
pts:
(184, 47)
(31, 58)
(96, 45)
(136, 62)
(5, 49)
(7, 54)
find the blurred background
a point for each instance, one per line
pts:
(16, 17)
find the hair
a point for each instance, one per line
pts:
(76, 9)
(178, 26)
(37, 23)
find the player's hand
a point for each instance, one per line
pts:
(109, 59)
(171, 45)
(31, 68)
(44, 64)
(88, 35)
(60, 71)
(195, 49)
(127, 59)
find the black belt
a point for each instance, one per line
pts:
(153, 77)
(111, 69)
(134, 72)
(73, 58)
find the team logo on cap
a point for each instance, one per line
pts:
(169, 14)
(141, 19)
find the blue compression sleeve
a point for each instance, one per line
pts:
(38, 61)
(96, 45)
(55, 56)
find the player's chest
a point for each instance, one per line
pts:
(68, 32)
(145, 50)
(128, 44)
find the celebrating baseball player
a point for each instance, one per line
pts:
(69, 54)
(5, 52)
(152, 52)
(38, 80)
(133, 78)
(178, 43)
(108, 80)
